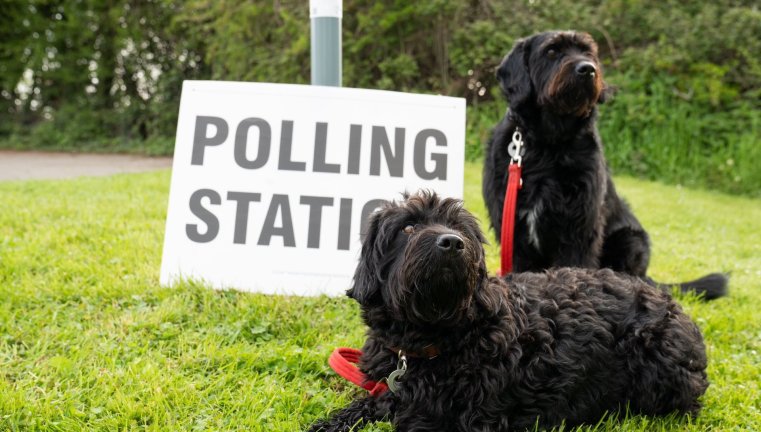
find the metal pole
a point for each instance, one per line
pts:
(326, 41)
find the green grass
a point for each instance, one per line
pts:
(90, 341)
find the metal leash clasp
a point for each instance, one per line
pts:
(401, 369)
(515, 149)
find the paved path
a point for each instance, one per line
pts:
(18, 165)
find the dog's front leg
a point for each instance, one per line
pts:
(357, 414)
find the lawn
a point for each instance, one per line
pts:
(90, 341)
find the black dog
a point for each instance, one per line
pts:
(568, 212)
(567, 345)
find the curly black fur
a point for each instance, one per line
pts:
(568, 212)
(566, 345)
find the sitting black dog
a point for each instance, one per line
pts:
(568, 212)
(487, 354)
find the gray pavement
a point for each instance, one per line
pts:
(23, 165)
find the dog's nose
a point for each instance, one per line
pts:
(585, 68)
(450, 243)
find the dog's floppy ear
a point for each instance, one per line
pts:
(513, 74)
(366, 283)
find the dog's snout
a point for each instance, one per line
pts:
(450, 243)
(585, 68)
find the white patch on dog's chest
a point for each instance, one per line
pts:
(532, 217)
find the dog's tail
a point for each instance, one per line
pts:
(710, 286)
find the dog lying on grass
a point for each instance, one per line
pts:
(491, 354)
(568, 212)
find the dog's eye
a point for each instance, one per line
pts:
(408, 229)
(551, 53)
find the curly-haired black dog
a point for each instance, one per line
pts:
(567, 345)
(568, 212)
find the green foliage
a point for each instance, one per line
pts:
(90, 74)
(249, 41)
(90, 341)
(655, 133)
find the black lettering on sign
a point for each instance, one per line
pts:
(355, 145)
(440, 159)
(279, 208)
(241, 143)
(320, 149)
(315, 218)
(394, 159)
(241, 213)
(344, 224)
(198, 210)
(286, 146)
(201, 141)
(280, 205)
(382, 149)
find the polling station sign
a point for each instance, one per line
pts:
(272, 183)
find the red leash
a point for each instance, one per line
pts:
(514, 183)
(342, 360)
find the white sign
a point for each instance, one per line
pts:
(271, 183)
